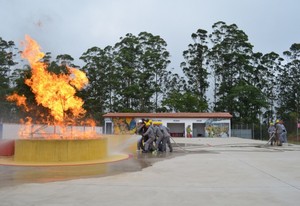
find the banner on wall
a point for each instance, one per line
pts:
(124, 125)
(217, 128)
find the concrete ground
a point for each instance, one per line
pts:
(206, 171)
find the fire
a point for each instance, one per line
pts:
(20, 100)
(55, 92)
(52, 91)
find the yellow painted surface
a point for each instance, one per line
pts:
(60, 150)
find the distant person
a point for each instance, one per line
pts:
(271, 131)
(189, 131)
(284, 132)
(279, 131)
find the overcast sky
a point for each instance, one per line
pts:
(73, 26)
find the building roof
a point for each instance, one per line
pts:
(172, 115)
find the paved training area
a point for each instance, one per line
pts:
(202, 171)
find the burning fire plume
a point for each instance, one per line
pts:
(52, 91)
(55, 92)
(20, 100)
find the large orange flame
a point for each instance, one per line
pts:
(55, 92)
(19, 99)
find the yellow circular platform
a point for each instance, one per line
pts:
(40, 150)
(9, 161)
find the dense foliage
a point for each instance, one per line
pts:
(221, 72)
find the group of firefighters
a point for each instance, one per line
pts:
(277, 133)
(155, 136)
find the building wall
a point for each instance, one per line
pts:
(201, 127)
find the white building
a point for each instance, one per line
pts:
(202, 124)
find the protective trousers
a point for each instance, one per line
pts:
(149, 143)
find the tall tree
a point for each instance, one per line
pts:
(174, 90)
(154, 58)
(231, 60)
(195, 68)
(141, 63)
(99, 95)
(266, 68)
(289, 85)
(126, 53)
(7, 54)
(247, 101)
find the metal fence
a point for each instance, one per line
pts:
(260, 131)
(249, 131)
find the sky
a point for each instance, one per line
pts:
(73, 26)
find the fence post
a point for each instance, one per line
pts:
(252, 130)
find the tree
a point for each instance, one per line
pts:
(289, 85)
(232, 63)
(155, 59)
(99, 95)
(126, 53)
(175, 87)
(141, 64)
(195, 69)
(59, 66)
(247, 101)
(266, 68)
(6, 64)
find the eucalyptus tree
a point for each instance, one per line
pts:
(289, 83)
(175, 87)
(231, 59)
(60, 64)
(232, 53)
(154, 59)
(99, 94)
(7, 61)
(195, 69)
(126, 59)
(141, 62)
(247, 102)
(266, 69)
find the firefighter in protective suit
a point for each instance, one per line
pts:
(141, 129)
(149, 147)
(159, 136)
(166, 133)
